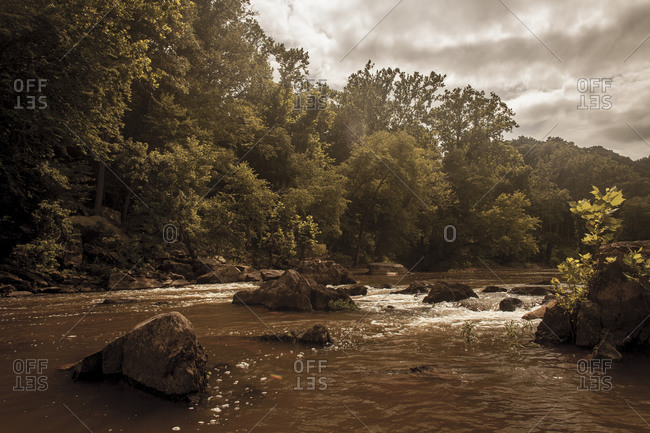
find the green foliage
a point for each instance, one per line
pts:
(508, 231)
(639, 268)
(601, 226)
(514, 333)
(576, 273)
(598, 215)
(181, 100)
(467, 334)
(394, 189)
(290, 236)
(342, 305)
(54, 230)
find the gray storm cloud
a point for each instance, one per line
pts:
(510, 47)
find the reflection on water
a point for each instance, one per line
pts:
(363, 383)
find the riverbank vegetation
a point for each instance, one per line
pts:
(181, 126)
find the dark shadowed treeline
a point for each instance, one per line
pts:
(185, 116)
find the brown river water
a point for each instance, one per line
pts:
(361, 384)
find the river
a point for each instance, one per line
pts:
(362, 383)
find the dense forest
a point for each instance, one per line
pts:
(186, 116)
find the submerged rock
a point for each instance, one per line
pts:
(317, 335)
(510, 304)
(494, 289)
(325, 272)
(442, 291)
(291, 291)
(161, 355)
(426, 371)
(118, 301)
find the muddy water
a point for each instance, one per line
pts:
(363, 383)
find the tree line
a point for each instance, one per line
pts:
(185, 114)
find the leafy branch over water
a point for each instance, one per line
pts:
(601, 226)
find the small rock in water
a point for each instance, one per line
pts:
(510, 304)
(243, 365)
(177, 428)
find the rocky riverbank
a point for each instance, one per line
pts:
(178, 271)
(614, 317)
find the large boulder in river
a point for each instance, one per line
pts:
(325, 272)
(160, 354)
(443, 291)
(291, 291)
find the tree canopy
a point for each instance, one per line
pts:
(186, 113)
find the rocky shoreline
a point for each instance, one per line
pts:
(614, 317)
(177, 272)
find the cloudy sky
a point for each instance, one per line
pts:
(532, 54)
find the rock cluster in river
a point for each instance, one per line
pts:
(443, 291)
(415, 288)
(161, 355)
(614, 317)
(292, 291)
(325, 272)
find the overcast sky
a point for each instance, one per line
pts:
(532, 54)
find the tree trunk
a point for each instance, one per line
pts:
(99, 190)
(359, 236)
(362, 223)
(125, 207)
(188, 245)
